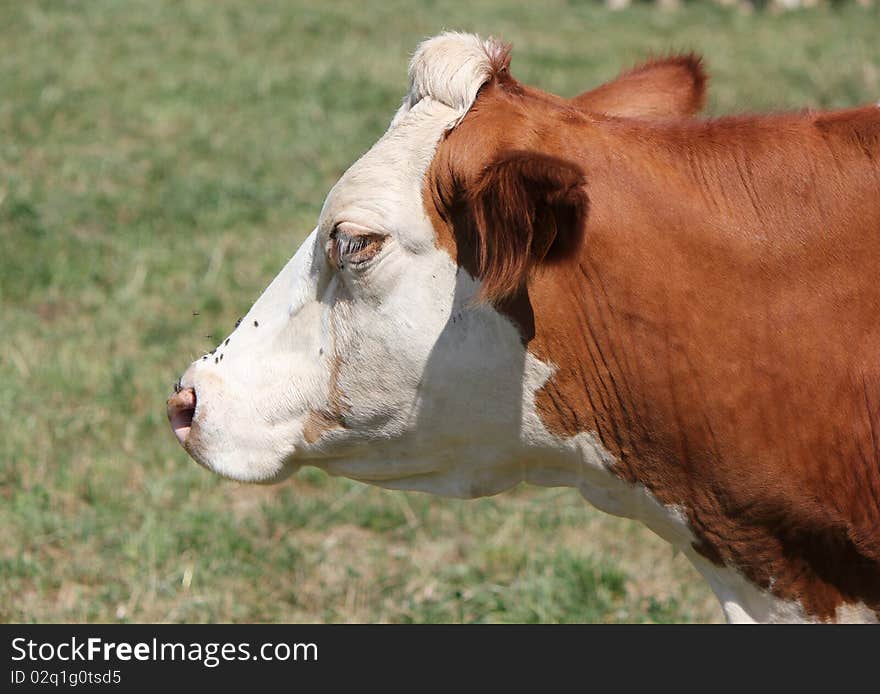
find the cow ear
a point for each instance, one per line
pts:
(527, 209)
(661, 88)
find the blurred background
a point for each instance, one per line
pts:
(159, 163)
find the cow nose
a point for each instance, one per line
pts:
(180, 408)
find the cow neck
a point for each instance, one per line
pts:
(648, 327)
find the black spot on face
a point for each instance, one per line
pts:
(221, 357)
(216, 360)
(256, 324)
(227, 341)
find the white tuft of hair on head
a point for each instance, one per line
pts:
(450, 68)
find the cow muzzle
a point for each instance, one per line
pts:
(181, 408)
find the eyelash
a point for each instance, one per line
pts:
(344, 247)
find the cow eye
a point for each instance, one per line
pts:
(351, 244)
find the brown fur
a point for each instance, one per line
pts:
(719, 326)
(525, 209)
(661, 88)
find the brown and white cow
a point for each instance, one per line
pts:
(679, 318)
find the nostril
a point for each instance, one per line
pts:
(181, 408)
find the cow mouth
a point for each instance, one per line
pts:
(181, 408)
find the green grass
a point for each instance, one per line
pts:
(160, 158)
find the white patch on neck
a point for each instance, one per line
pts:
(742, 601)
(745, 603)
(582, 462)
(861, 613)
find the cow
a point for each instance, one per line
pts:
(678, 317)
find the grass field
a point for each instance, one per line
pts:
(159, 159)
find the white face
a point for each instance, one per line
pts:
(367, 355)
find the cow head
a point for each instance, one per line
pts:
(392, 347)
